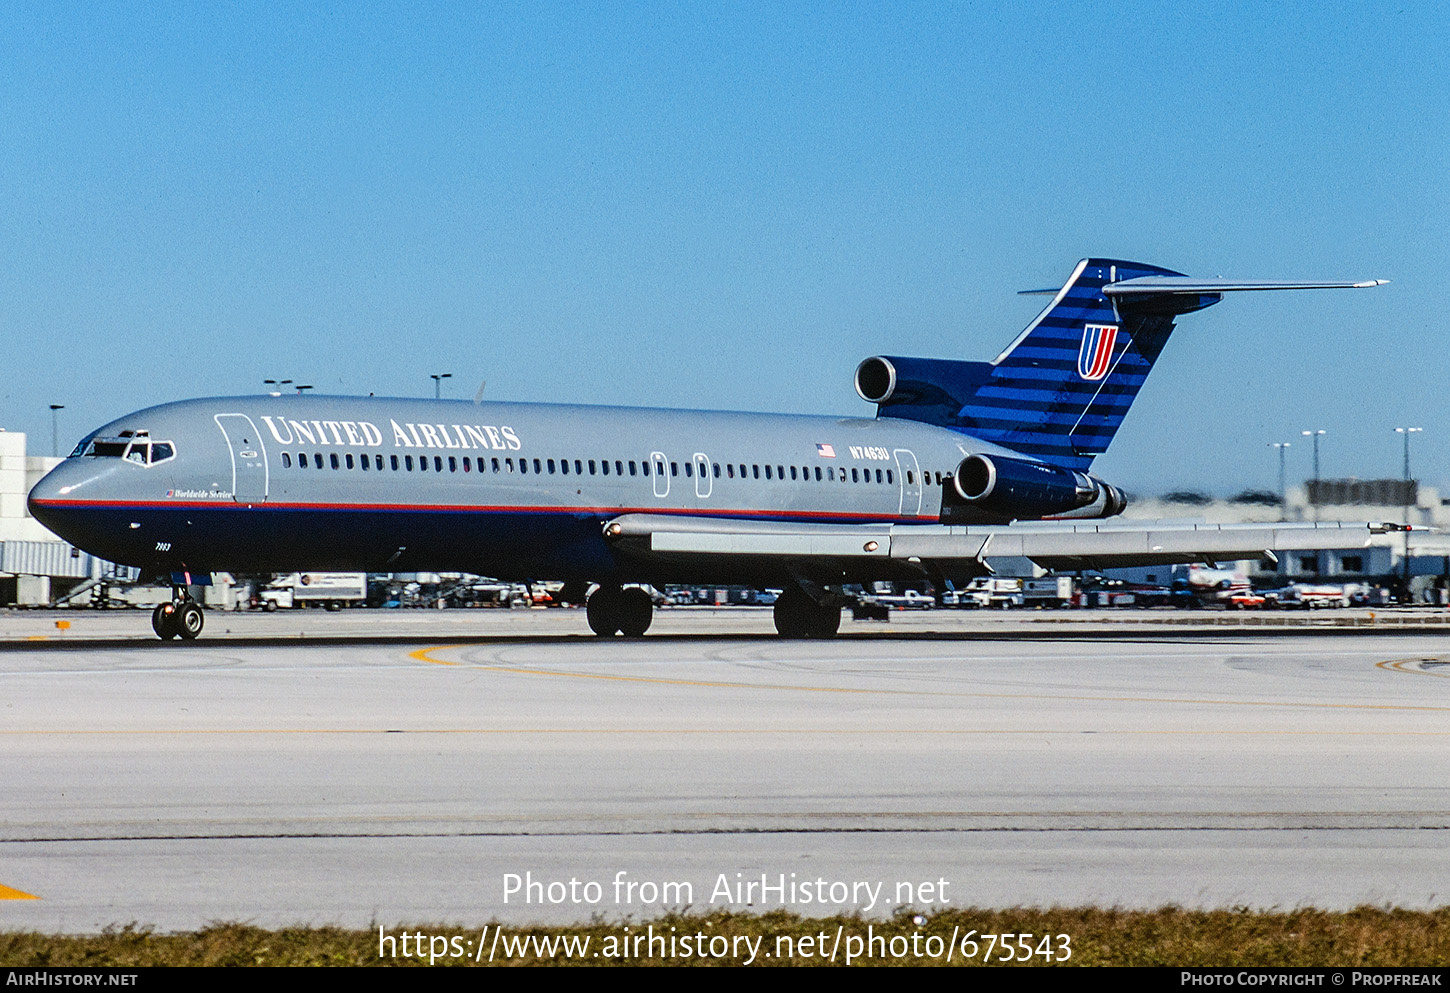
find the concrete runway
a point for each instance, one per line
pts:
(404, 767)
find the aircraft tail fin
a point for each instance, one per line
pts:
(1060, 390)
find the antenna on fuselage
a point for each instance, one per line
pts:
(478, 397)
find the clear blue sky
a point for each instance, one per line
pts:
(726, 206)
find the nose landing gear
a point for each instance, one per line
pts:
(181, 618)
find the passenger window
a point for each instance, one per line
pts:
(909, 480)
(523, 465)
(394, 460)
(563, 467)
(878, 475)
(604, 467)
(495, 464)
(466, 466)
(618, 467)
(717, 470)
(286, 461)
(631, 468)
(755, 471)
(422, 463)
(334, 460)
(818, 474)
(780, 472)
(687, 470)
(889, 480)
(854, 478)
(767, 472)
(792, 472)
(538, 468)
(350, 463)
(408, 461)
(674, 468)
(730, 470)
(591, 467)
(578, 468)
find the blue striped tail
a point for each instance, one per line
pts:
(1058, 392)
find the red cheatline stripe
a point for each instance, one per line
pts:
(475, 509)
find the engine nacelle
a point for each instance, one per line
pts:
(1018, 489)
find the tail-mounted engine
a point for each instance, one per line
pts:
(989, 488)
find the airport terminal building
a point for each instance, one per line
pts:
(36, 567)
(1380, 559)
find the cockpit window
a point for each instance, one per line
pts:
(132, 446)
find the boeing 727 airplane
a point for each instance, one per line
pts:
(604, 497)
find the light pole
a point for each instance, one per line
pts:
(55, 430)
(1283, 501)
(1315, 436)
(438, 378)
(1406, 432)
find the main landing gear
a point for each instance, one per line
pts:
(612, 610)
(798, 616)
(181, 618)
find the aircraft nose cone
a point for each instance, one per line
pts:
(50, 503)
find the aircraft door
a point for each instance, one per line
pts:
(249, 458)
(704, 483)
(661, 474)
(908, 474)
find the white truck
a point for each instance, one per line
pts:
(1047, 591)
(991, 592)
(333, 590)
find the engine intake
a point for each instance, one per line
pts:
(876, 379)
(1018, 489)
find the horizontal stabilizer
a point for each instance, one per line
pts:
(1172, 285)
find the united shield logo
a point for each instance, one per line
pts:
(1095, 356)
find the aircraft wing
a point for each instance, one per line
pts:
(1056, 546)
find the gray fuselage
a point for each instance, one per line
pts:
(273, 484)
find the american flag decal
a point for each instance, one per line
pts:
(825, 451)
(1096, 354)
